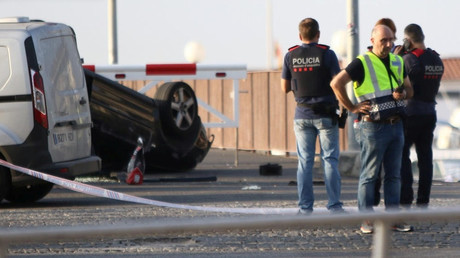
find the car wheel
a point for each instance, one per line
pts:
(29, 193)
(5, 182)
(178, 109)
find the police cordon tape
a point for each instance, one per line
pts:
(101, 192)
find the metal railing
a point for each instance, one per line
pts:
(381, 238)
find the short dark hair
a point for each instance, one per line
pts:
(388, 22)
(414, 32)
(308, 28)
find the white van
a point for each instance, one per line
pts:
(45, 120)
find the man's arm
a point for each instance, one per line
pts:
(412, 67)
(338, 85)
(408, 88)
(285, 85)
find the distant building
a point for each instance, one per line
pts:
(451, 69)
(448, 108)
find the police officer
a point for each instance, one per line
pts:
(307, 72)
(380, 86)
(425, 70)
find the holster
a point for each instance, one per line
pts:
(342, 119)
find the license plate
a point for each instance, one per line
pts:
(60, 138)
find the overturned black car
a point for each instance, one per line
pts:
(168, 126)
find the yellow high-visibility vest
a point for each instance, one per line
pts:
(377, 81)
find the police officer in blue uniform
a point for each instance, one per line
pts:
(425, 69)
(307, 72)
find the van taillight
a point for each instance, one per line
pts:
(39, 100)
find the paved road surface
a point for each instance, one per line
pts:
(232, 187)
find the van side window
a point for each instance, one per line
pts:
(62, 63)
(5, 71)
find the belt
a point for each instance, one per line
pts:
(391, 120)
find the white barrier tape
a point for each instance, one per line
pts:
(101, 192)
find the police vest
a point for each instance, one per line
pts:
(427, 76)
(379, 84)
(310, 77)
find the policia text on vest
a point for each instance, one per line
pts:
(308, 66)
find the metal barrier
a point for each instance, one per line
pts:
(156, 73)
(381, 237)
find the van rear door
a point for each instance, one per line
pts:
(66, 96)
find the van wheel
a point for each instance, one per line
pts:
(5, 182)
(178, 109)
(29, 193)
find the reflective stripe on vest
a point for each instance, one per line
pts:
(376, 78)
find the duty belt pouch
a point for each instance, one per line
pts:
(328, 109)
(325, 109)
(342, 119)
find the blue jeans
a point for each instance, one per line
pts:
(380, 144)
(306, 131)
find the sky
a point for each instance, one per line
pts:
(231, 31)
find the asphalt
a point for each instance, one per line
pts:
(430, 238)
(219, 182)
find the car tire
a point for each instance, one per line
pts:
(29, 193)
(178, 110)
(5, 182)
